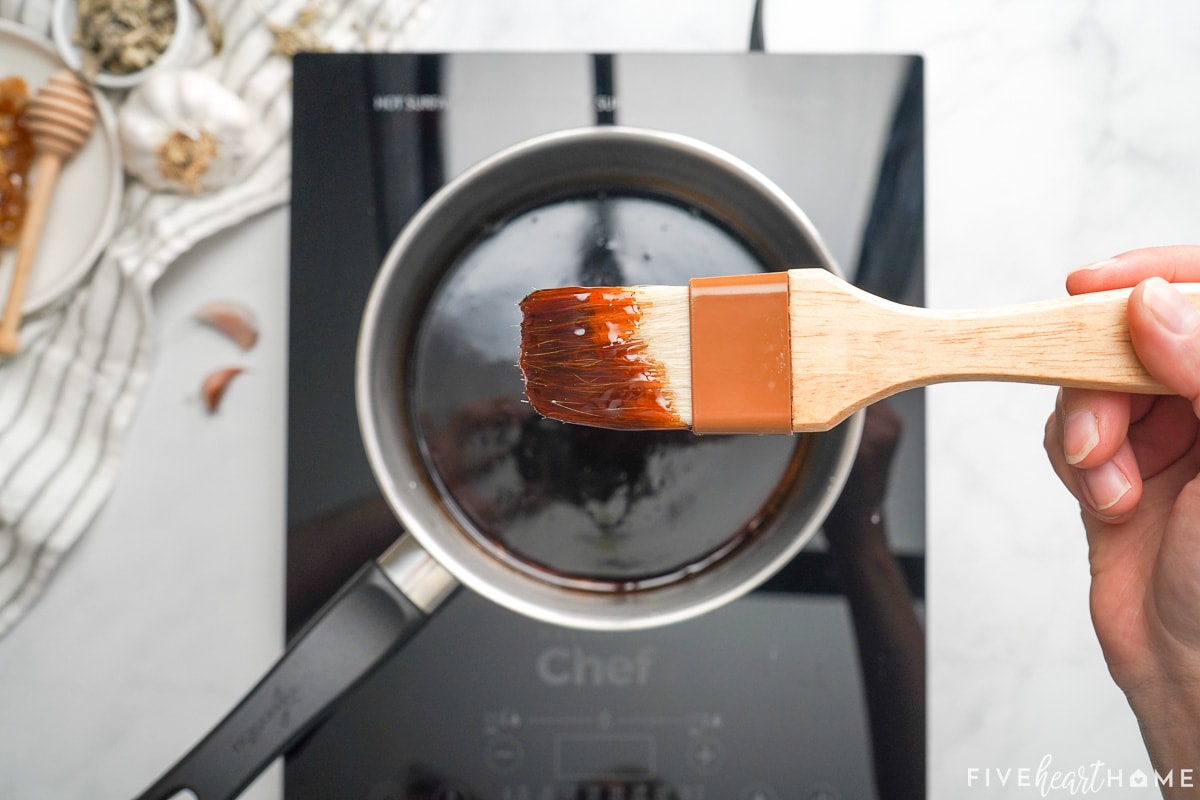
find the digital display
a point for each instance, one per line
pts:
(585, 756)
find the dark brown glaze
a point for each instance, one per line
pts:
(585, 362)
(576, 505)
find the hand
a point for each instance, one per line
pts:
(1132, 462)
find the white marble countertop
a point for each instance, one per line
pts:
(1058, 133)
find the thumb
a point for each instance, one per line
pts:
(1165, 329)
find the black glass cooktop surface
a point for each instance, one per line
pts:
(762, 700)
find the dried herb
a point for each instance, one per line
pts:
(212, 26)
(119, 37)
(300, 36)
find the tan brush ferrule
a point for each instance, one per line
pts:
(741, 354)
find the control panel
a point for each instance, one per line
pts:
(760, 700)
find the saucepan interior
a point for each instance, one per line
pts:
(573, 525)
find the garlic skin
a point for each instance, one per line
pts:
(215, 384)
(183, 131)
(232, 319)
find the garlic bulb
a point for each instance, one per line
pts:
(183, 131)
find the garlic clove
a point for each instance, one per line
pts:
(195, 90)
(140, 128)
(231, 319)
(229, 120)
(160, 95)
(214, 386)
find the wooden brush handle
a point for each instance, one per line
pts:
(851, 348)
(47, 169)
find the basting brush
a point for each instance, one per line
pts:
(797, 351)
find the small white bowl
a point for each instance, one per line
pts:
(62, 30)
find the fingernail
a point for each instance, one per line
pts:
(1169, 307)
(1106, 485)
(1108, 262)
(1081, 434)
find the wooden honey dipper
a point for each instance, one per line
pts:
(60, 117)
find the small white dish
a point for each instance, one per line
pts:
(87, 198)
(62, 30)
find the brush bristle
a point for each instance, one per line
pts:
(609, 357)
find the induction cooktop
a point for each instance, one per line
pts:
(764, 699)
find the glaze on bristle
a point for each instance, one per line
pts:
(600, 356)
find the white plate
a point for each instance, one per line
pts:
(87, 199)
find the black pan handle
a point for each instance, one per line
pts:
(368, 619)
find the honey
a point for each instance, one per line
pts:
(16, 156)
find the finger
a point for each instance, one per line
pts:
(1109, 491)
(1094, 424)
(1176, 592)
(1176, 263)
(1165, 330)
(1164, 435)
(1055, 452)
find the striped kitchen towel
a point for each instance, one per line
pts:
(68, 399)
